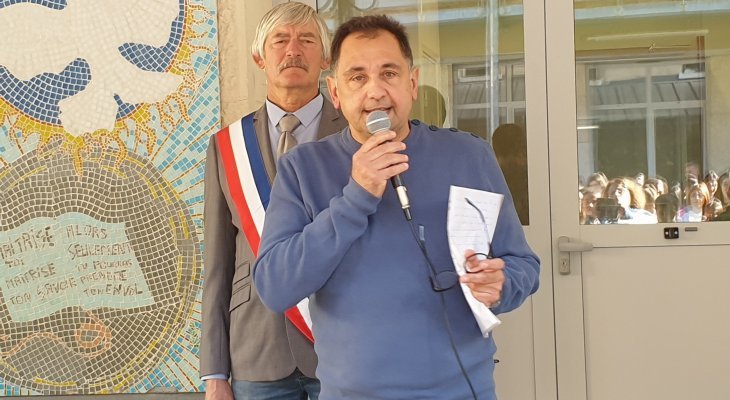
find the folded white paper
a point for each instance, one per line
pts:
(466, 230)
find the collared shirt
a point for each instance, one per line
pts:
(309, 116)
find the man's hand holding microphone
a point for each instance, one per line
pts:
(380, 159)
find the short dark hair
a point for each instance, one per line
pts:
(369, 26)
(666, 207)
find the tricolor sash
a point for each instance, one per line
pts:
(250, 190)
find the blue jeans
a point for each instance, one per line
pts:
(296, 386)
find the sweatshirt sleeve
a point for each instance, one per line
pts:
(299, 253)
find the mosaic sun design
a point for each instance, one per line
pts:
(79, 72)
(105, 111)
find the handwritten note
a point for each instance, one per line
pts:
(472, 218)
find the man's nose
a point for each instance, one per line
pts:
(293, 48)
(375, 88)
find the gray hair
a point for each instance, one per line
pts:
(290, 13)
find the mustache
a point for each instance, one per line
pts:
(294, 62)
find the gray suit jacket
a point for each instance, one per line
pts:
(240, 336)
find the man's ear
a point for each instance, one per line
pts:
(258, 60)
(415, 72)
(324, 64)
(332, 87)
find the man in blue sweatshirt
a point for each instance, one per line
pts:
(335, 233)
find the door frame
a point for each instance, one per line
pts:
(561, 104)
(539, 231)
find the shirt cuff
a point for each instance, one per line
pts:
(214, 376)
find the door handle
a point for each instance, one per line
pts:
(565, 247)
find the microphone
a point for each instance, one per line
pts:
(379, 121)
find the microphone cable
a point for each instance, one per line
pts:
(432, 272)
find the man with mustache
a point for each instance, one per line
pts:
(264, 354)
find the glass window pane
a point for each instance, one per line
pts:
(652, 110)
(463, 83)
(620, 142)
(678, 142)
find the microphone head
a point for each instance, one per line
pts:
(377, 121)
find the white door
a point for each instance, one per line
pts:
(640, 86)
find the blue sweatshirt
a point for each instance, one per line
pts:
(378, 325)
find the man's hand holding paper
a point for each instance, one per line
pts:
(472, 218)
(485, 277)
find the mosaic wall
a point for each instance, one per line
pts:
(105, 112)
